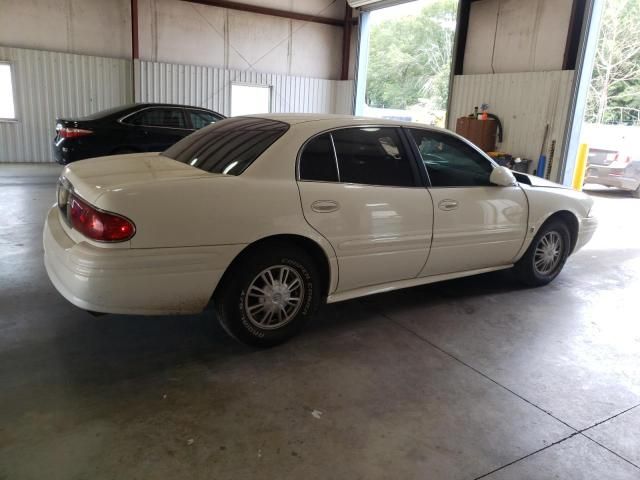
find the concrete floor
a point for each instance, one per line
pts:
(476, 378)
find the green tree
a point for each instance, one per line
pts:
(410, 58)
(615, 83)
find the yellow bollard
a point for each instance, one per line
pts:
(581, 166)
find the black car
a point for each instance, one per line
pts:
(142, 127)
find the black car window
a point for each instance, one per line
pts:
(200, 118)
(317, 162)
(158, 117)
(451, 162)
(373, 156)
(228, 146)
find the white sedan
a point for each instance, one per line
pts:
(264, 218)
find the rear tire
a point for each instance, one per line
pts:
(268, 296)
(547, 254)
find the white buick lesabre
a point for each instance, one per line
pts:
(263, 218)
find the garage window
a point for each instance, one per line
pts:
(250, 99)
(7, 106)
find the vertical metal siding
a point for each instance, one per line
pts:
(345, 97)
(525, 103)
(52, 84)
(210, 87)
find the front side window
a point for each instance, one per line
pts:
(317, 162)
(158, 117)
(373, 156)
(450, 162)
(228, 146)
(200, 119)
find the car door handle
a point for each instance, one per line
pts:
(325, 206)
(447, 204)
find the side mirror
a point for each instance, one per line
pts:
(502, 177)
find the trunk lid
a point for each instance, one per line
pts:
(91, 178)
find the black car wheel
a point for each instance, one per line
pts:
(547, 254)
(268, 296)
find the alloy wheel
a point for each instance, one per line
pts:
(274, 297)
(548, 253)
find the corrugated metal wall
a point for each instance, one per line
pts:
(52, 84)
(525, 103)
(210, 87)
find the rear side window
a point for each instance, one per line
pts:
(200, 119)
(228, 146)
(158, 117)
(317, 162)
(373, 156)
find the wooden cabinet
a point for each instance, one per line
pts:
(480, 132)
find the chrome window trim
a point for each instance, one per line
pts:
(122, 119)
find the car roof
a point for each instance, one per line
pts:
(132, 107)
(327, 120)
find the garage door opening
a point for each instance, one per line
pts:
(611, 127)
(408, 50)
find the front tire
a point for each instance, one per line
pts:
(547, 254)
(268, 296)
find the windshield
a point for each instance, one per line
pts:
(228, 146)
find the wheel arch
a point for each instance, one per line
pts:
(570, 219)
(313, 248)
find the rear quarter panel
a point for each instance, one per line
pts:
(214, 210)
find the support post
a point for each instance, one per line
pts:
(346, 43)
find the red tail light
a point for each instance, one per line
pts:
(66, 132)
(99, 225)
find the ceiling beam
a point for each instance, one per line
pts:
(270, 11)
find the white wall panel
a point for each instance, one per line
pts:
(178, 32)
(525, 103)
(210, 87)
(86, 27)
(516, 36)
(51, 84)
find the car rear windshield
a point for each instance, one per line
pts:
(228, 146)
(108, 112)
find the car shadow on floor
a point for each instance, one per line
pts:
(112, 348)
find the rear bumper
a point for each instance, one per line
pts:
(133, 281)
(588, 227)
(624, 183)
